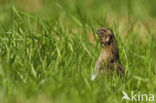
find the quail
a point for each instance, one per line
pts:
(108, 59)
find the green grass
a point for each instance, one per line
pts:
(48, 50)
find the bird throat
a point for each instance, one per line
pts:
(105, 44)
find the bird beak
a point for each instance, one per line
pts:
(97, 31)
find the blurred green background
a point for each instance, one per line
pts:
(48, 50)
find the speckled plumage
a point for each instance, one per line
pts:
(109, 56)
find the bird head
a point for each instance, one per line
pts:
(105, 35)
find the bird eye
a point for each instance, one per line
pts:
(104, 30)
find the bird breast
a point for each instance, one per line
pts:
(105, 54)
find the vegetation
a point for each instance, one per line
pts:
(48, 50)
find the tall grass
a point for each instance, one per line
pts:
(47, 55)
